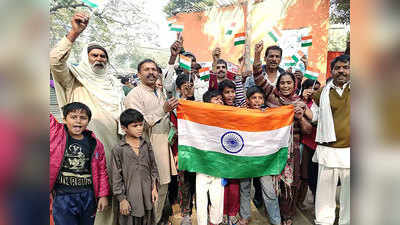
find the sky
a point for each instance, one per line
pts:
(155, 8)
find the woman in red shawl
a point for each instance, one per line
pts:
(288, 181)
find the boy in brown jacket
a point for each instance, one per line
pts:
(134, 172)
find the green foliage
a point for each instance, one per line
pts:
(340, 11)
(176, 6)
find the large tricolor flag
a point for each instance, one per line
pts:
(311, 74)
(185, 62)
(229, 142)
(204, 73)
(275, 34)
(240, 38)
(306, 41)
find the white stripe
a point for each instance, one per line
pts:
(177, 26)
(240, 39)
(183, 61)
(306, 41)
(314, 74)
(208, 138)
(204, 73)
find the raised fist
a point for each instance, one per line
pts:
(216, 53)
(259, 47)
(79, 22)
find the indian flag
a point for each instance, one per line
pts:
(306, 41)
(275, 34)
(171, 22)
(229, 142)
(229, 31)
(176, 27)
(240, 38)
(289, 62)
(94, 3)
(311, 74)
(204, 73)
(185, 62)
(297, 56)
(232, 68)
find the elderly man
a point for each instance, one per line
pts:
(151, 102)
(333, 149)
(89, 83)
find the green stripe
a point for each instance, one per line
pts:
(310, 76)
(240, 42)
(184, 66)
(176, 29)
(306, 44)
(295, 58)
(290, 64)
(230, 166)
(273, 36)
(89, 3)
(205, 77)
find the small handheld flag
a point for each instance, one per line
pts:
(311, 74)
(306, 41)
(204, 73)
(176, 27)
(240, 39)
(171, 22)
(185, 62)
(230, 29)
(296, 57)
(94, 3)
(275, 34)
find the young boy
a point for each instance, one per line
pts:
(134, 172)
(78, 173)
(186, 180)
(184, 87)
(209, 184)
(200, 85)
(231, 193)
(256, 100)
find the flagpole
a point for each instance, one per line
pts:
(249, 4)
(315, 81)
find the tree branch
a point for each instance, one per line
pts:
(58, 7)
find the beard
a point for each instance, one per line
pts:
(98, 67)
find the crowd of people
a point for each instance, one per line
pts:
(114, 159)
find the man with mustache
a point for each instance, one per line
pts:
(220, 67)
(90, 83)
(152, 103)
(271, 69)
(333, 144)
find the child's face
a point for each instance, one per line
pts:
(134, 129)
(229, 96)
(217, 100)
(187, 90)
(256, 101)
(159, 84)
(76, 122)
